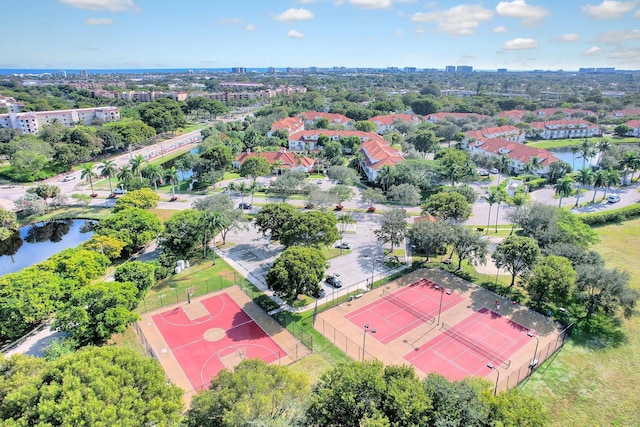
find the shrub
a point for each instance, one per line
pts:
(617, 215)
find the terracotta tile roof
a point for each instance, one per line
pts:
(629, 112)
(566, 111)
(564, 124)
(633, 124)
(514, 150)
(379, 153)
(495, 132)
(332, 117)
(515, 115)
(290, 124)
(289, 160)
(389, 119)
(425, 218)
(312, 135)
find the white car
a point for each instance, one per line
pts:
(68, 178)
(613, 198)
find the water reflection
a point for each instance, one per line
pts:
(37, 242)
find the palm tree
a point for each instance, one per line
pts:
(613, 178)
(502, 196)
(136, 165)
(125, 175)
(212, 223)
(563, 188)
(253, 187)
(634, 163)
(586, 151)
(518, 201)
(599, 181)
(243, 188)
(575, 149)
(533, 165)
(584, 177)
(154, 173)
(492, 197)
(172, 175)
(504, 164)
(603, 146)
(108, 170)
(385, 175)
(87, 172)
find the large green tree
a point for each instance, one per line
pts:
(182, 233)
(97, 311)
(469, 245)
(451, 207)
(254, 167)
(144, 198)
(134, 226)
(96, 386)
(254, 393)
(430, 238)
(141, 274)
(298, 270)
(8, 224)
(393, 227)
(271, 218)
(223, 205)
(553, 277)
(356, 393)
(517, 255)
(310, 229)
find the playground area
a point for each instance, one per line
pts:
(440, 323)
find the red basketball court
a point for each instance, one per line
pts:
(405, 309)
(465, 349)
(208, 335)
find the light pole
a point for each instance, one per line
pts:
(440, 308)
(490, 366)
(534, 361)
(364, 337)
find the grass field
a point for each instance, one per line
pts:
(561, 143)
(599, 387)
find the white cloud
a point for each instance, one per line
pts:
(372, 4)
(306, 1)
(618, 36)
(628, 54)
(110, 5)
(98, 21)
(568, 38)
(609, 9)
(519, 9)
(592, 51)
(459, 20)
(399, 32)
(250, 28)
(637, 14)
(292, 15)
(520, 43)
(499, 29)
(295, 34)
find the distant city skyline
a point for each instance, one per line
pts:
(199, 34)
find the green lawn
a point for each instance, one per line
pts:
(599, 387)
(74, 212)
(561, 143)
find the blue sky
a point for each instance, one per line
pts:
(513, 34)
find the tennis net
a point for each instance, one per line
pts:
(476, 346)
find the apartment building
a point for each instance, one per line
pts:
(31, 122)
(563, 129)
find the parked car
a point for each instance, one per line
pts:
(119, 191)
(245, 206)
(333, 281)
(483, 172)
(343, 245)
(494, 170)
(68, 178)
(319, 181)
(320, 293)
(613, 198)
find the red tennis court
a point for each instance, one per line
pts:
(211, 334)
(466, 348)
(396, 313)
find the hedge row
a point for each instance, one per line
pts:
(616, 215)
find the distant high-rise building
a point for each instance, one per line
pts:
(464, 69)
(606, 70)
(410, 69)
(63, 74)
(313, 70)
(84, 74)
(238, 70)
(450, 69)
(502, 70)
(586, 70)
(271, 70)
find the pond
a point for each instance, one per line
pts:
(35, 243)
(182, 175)
(573, 159)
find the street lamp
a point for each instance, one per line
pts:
(440, 308)
(364, 337)
(490, 366)
(534, 361)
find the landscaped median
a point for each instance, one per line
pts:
(613, 215)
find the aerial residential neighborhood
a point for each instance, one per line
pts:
(348, 213)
